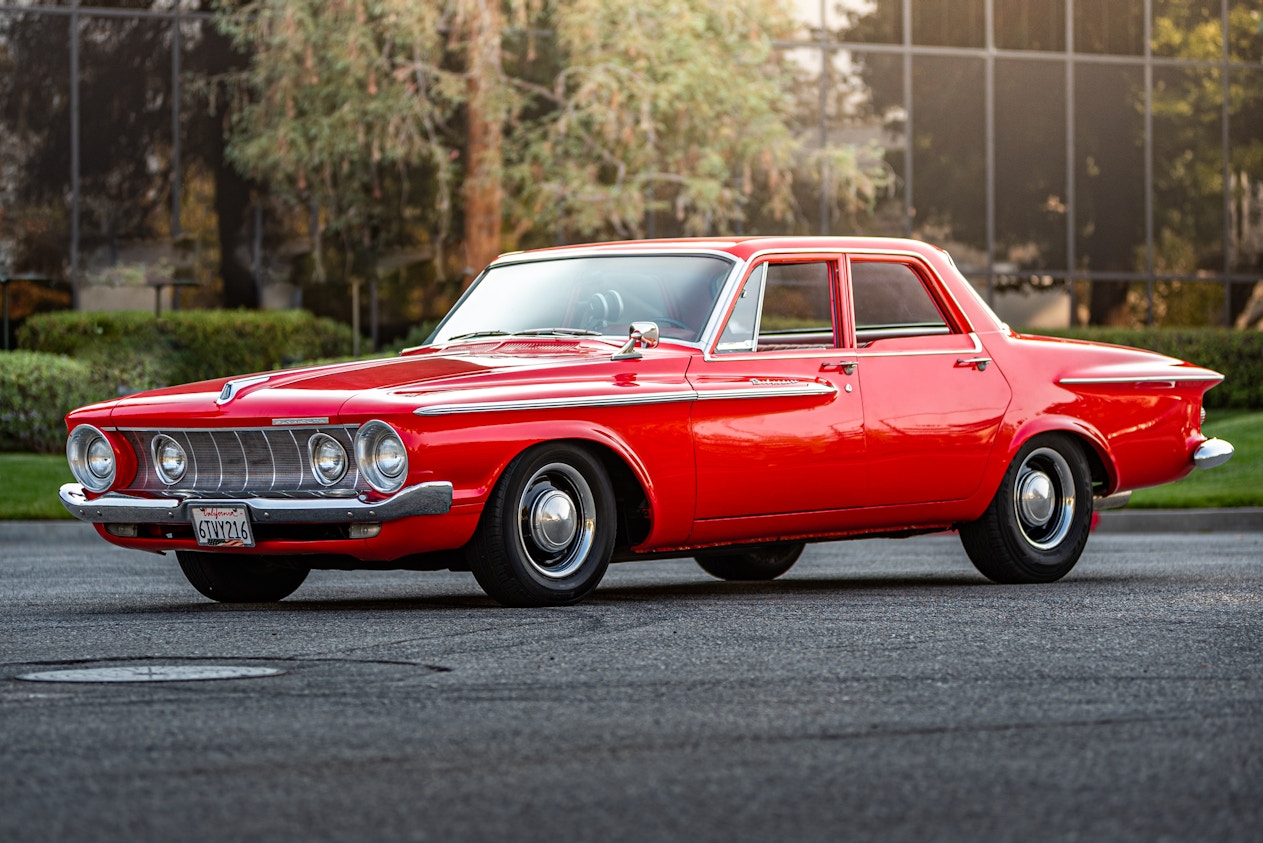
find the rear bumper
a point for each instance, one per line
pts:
(1211, 453)
(115, 508)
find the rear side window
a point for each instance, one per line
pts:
(891, 300)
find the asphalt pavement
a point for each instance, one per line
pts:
(882, 690)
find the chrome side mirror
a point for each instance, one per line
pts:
(639, 335)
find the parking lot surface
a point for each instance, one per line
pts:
(882, 690)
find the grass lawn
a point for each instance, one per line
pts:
(28, 486)
(29, 482)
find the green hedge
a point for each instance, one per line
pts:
(36, 392)
(1237, 354)
(133, 350)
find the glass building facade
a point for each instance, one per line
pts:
(1084, 162)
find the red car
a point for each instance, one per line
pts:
(769, 392)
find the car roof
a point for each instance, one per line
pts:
(741, 248)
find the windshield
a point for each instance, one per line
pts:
(601, 295)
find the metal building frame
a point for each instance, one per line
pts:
(828, 47)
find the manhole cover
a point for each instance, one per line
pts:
(152, 673)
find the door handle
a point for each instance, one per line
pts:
(846, 367)
(979, 363)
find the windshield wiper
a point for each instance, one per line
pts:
(473, 334)
(558, 332)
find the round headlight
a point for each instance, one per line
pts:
(328, 459)
(381, 456)
(91, 458)
(169, 459)
(390, 457)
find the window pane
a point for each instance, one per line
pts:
(891, 295)
(949, 156)
(1245, 27)
(949, 23)
(1110, 182)
(34, 163)
(1187, 170)
(738, 334)
(1245, 250)
(1031, 165)
(797, 299)
(1030, 24)
(125, 176)
(1188, 29)
(882, 23)
(1109, 26)
(866, 138)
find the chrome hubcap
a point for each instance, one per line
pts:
(556, 520)
(1044, 498)
(1035, 498)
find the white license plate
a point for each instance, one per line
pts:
(222, 526)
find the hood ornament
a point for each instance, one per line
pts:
(231, 388)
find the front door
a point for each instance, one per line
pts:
(778, 424)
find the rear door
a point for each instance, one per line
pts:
(933, 403)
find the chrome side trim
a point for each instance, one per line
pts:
(1157, 378)
(556, 403)
(976, 348)
(1212, 453)
(804, 389)
(114, 508)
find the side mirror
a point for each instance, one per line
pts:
(639, 335)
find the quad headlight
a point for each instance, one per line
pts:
(169, 459)
(381, 456)
(328, 459)
(91, 458)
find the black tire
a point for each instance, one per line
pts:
(1037, 524)
(766, 563)
(241, 579)
(547, 532)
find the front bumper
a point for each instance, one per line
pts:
(115, 508)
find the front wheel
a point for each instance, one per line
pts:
(547, 532)
(241, 579)
(1037, 524)
(752, 565)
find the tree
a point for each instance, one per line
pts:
(611, 110)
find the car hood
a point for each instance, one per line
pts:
(350, 392)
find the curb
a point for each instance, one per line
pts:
(1243, 520)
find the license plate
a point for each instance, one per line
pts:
(222, 526)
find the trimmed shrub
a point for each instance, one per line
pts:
(1237, 354)
(36, 392)
(133, 350)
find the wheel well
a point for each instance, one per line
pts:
(634, 518)
(1096, 463)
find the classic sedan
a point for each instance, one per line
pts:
(727, 399)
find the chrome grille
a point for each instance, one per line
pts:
(253, 462)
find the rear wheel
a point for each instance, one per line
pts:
(1037, 524)
(764, 564)
(547, 532)
(241, 579)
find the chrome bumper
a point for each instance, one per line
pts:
(115, 508)
(1211, 453)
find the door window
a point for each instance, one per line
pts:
(891, 300)
(783, 306)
